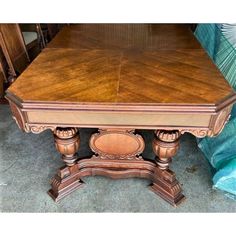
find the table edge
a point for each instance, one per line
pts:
(126, 107)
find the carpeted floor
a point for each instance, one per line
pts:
(29, 161)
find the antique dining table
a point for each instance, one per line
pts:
(119, 79)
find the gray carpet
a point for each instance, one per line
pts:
(29, 161)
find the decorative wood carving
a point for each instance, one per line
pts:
(117, 144)
(166, 186)
(127, 165)
(198, 132)
(118, 105)
(220, 120)
(217, 124)
(165, 146)
(36, 129)
(65, 182)
(67, 143)
(212, 128)
(17, 115)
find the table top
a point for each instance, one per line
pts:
(123, 64)
(125, 36)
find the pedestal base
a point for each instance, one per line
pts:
(173, 200)
(166, 186)
(117, 155)
(58, 195)
(66, 181)
(116, 169)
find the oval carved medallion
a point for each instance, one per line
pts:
(116, 144)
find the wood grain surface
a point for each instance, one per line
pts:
(119, 78)
(123, 75)
(123, 64)
(125, 36)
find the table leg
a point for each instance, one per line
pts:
(66, 180)
(165, 146)
(117, 155)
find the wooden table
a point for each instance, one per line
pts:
(120, 78)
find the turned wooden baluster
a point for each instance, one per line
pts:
(67, 142)
(165, 146)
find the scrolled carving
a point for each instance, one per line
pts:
(36, 129)
(117, 144)
(217, 124)
(18, 116)
(200, 133)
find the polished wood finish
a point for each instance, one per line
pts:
(117, 144)
(67, 143)
(14, 49)
(118, 155)
(165, 146)
(119, 78)
(125, 36)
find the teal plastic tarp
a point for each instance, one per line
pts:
(220, 151)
